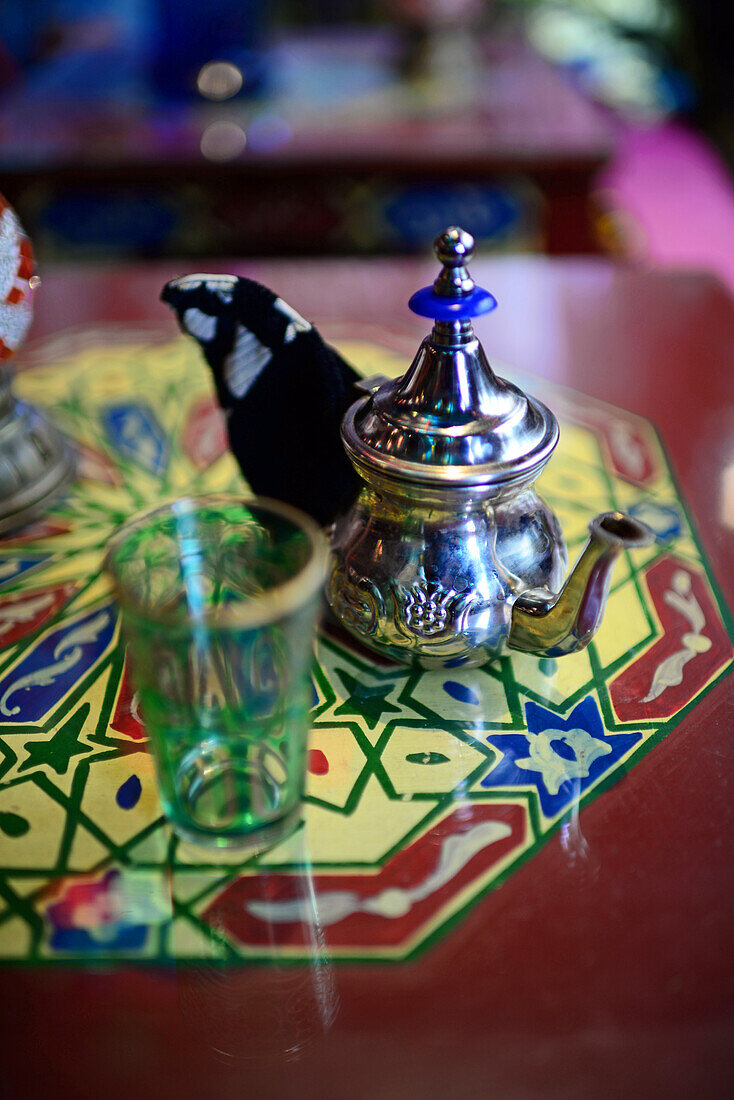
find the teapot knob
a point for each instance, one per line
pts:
(454, 296)
(454, 248)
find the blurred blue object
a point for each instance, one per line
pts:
(78, 50)
(418, 213)
(105, 223)
(186, 36)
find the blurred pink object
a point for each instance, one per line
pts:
(677, 192)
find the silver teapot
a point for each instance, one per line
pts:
(449, 557)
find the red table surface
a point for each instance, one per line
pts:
(557, 984)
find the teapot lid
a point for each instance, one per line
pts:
(450, 420)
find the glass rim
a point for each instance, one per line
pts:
(270, 606)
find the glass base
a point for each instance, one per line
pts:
(249, 844)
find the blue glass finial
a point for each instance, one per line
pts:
(453, 296)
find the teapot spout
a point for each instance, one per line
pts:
(552, 626)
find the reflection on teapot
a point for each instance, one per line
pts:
(449, 557)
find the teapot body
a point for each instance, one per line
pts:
(429, 577)
(449, 556)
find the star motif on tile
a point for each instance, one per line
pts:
(560, 757)
(58, 752)
(369, 700)
(54, 752)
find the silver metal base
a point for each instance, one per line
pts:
(36, 462)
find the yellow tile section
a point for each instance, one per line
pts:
(185, 940)
(567, 478)
(369, 359)
(441, 762)
(575, 526)
(25, 886)
(554, 679)
(624, 625)
(580, 443)
(37, 846)
(483, 700)
(82, 564)
(345, 760)
(154, 848)
(376, 826)
(100, 803)
(15, 938)
(86, 851)
(188, 884)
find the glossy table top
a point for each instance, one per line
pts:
(564, 981)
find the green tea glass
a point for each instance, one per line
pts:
(219, 600)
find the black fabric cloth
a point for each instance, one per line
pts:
(283, 390)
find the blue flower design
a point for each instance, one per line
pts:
(560, 757)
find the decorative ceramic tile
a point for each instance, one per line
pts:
(424, 788)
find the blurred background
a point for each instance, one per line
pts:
(155, 128)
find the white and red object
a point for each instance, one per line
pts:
(36, 463)
(16, 286)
